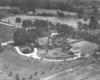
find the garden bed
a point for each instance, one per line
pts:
(26, 49)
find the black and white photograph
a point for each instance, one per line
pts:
(49, 39)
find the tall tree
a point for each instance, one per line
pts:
(64, 31)
(93, 23)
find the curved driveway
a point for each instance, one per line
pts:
(34, 54)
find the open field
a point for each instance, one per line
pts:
(13, 62)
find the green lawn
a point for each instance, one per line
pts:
(13, 62)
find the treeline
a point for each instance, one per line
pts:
(32, 4)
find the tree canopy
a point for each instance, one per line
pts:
(27, 23)
(22, 36)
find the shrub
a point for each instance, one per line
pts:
(23, 78)
(26, 51)
(31, 77)
(43, 73)
(18, 20)
(17, 76)
(35, 74)
(10, 74)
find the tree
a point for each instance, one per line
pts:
(19, 37)
(95, 8)
(18, 20)
(42, 73)
(12, 4)
(85, 26)
(31, 36)
(82, 26)
(93, 23)
(79, 25)
(17, 77)
(35, 74)
(30, 4)
(10, 74)
(41, 24)
(60, 14)
(27, 23)
(64, 31)
(22, 36)
(23, 78)
(15, 12)
(70, 7)
(31, 77)
(48, 5)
